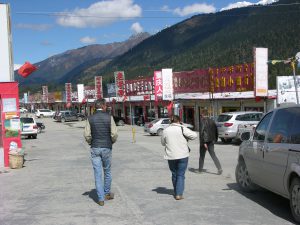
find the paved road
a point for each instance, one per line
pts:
(56, 185)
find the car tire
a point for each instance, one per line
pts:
(39, 130)
(79, 119)
(34, 136)
(294, 198)
(159, 132)
(42, 116)
(226, 141)
(243, 178)
(63, 120)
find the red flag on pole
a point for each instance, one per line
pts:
(26, 69)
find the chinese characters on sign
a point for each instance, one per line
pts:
(141, 86)
(236, 78)
(167, 83)
(98, 87)
(45, 94)
(191, 81)
(68, 89)
(158, 92)
(120, 83)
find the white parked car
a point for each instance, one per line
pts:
(40, 113)
(29, 127)
(157, 126)
(23, 110)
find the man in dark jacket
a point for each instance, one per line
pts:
(208, 136)
(100, 133)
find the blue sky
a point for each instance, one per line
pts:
(42, 28)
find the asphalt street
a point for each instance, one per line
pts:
(56, 185)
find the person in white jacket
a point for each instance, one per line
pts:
(175, 138)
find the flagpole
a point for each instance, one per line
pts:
(295, 82)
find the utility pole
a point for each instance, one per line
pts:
(293, 62)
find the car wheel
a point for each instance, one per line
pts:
(79, 119)
(39, 130)
(226, 141)
(159, 132)
(42, 116)
(242, 177)
(63, 120)
(34, 136)
(295, 198)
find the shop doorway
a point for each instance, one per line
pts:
(230, 109)
(189, 115)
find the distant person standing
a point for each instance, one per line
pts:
(208, 136)
(175, 138)
(101, 132)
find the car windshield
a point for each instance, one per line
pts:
(224, 118)
(27, 120)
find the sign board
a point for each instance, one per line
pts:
(167, 80)
(261, 72)
(45, 94)
(286, 91)
(158, 87)
(120, 83)
(98, 87)
(6, 61)
(142, 86)
(111, 90)
(68, 89)
(80, 92)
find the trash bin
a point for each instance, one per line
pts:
(16, 161)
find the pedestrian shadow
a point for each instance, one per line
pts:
(274, 203)
(163, 190)
(194, 170)
(92, 195)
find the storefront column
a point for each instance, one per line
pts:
(197, 116)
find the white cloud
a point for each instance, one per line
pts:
(88, 40)
(17, 66)
(165, 8)
(195, 8)
(245, 4)
(37, 27)
(100, 14)
(137, 28)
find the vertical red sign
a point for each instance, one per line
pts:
(98, 87)
(68, 89)
(120, 83)
(158, 86)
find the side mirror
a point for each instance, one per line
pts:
(245, 136)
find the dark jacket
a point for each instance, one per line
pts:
(100, 124)
(208, 131)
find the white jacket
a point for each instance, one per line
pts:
(175, 143)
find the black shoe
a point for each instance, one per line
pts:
(110, 196)
(200, 171)
(101, 203)
(220, 172)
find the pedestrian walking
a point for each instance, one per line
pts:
(100, 133)
(208, 136)
(175, 139)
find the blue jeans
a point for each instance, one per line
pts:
(101, 160)
(178, 168)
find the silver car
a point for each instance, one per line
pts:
(229, 123)
(270, 157)
(157, 126)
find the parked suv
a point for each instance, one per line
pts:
(40, 113)
(270, 156)
(64, 116)
(228, 123)
(29, 127)
(157, 126)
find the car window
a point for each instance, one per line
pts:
(261, 129)
(241, 117)
(27, 120)
(154, 121)
(295, 131)
(167, 121)
(224, 118)
(280, 127)
(255, 116)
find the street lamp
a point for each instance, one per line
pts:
(293, 64)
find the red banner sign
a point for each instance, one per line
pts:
(120, 83)
(231, 79)
(68, 89)
(142, 86)
(191, 81)
(158, 87)
(98, 87)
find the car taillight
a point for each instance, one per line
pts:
(150, 125)
(35, 127)
(228, 124)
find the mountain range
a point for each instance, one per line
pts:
(207, 40)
